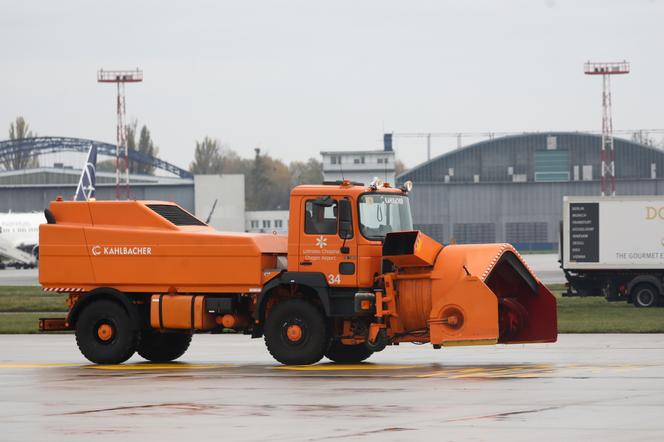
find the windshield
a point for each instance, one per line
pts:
(384, 213)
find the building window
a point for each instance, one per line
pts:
(320, 218)
(435, 231)
(587, 172)
(278, 223)
(254, 223)
(380, 161)
(266, 223)
(551, 165)
(335, 159)
(516, 233)
(359, 160)
(470, 233)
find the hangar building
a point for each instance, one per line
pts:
(511, 189)
(31, 190)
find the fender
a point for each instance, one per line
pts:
(315, 281)
(104, 293)
(649, 278)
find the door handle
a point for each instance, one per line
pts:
(305, 263)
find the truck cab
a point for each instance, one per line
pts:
(338, 229)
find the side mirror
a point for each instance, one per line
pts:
(345, 219)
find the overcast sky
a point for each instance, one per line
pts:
(297, 77)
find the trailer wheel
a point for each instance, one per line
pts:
(105, 333)
(295, 333)
(347, 354)
(645, 295)
(163, 347)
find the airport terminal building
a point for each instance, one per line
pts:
(511, 189)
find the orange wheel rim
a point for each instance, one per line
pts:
(105, 332)
(294, 332)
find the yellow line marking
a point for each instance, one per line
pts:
(35, 365)
(165, 366)
(340, 367)
(137, 366)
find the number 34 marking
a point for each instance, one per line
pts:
(334, 279)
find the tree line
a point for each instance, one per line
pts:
(268, 181)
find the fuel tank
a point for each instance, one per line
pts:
(465, 294)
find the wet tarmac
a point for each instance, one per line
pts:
(585, 387)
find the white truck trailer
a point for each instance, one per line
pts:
(614, 247)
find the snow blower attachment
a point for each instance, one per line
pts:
(462, 294)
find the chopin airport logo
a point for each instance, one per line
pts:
(120, 250)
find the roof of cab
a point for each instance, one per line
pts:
(349, 188)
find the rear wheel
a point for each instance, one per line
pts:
(645, 295)
(105, 333)
(163, 347)
(347, 354)
(295, 333)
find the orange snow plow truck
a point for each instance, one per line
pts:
(350, 278)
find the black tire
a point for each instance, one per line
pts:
(347, 354)
(645, 295)
(163, 347)
(125, 337)
(313, 341)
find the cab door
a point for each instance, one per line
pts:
(322, 249)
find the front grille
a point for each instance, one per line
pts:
(176, 215)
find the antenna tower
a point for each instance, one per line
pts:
(121, 149)
(608, 154)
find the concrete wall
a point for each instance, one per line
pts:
(228, 191)
(359, 166)
(267, 221)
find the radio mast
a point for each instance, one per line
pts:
(607, 153)
(121, 149)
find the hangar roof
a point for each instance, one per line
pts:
(538, 157)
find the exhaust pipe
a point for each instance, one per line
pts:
(464, 294)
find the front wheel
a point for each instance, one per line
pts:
(347, 354)
(105, 333)
(645, 295)
(295, 333)
(163, 347)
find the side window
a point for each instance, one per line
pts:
(320, 219)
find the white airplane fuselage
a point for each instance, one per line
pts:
(21, 230)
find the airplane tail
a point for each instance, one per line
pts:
(87, 183)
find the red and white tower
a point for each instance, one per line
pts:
(608, 155)
(121, 150)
